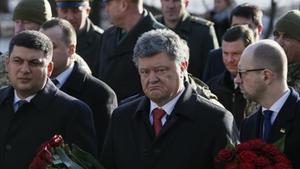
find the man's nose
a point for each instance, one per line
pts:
(25, 67)
(19, 27)
(238, 79)
(153, 78)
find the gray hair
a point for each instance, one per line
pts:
(161, 40)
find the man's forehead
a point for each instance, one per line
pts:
(239, 20)
(71, 3)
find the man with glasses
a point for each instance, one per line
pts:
(262, 78)
(235, 40)
(287, 34)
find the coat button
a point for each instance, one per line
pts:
(8, 147)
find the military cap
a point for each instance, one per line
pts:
(71, 3)
(289, 23)
(37, 11)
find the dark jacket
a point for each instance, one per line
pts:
(214, 65)
(287, 123)
(231, 97)
(49, 112)
(100, 97)
(116, 66)
(195, 131)
(88, 44)
(200, 37)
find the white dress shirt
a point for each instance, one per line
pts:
(278, 105)
(168, 108)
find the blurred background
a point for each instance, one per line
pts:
(272, 10)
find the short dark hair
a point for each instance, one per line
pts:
(246, 10)
(69, 34)
(237, 32)
(33, 40)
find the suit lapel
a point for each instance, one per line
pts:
(74, 83)
(180, 111)
(142, 131)
(283, 121)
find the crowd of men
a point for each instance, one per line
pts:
(150, 91)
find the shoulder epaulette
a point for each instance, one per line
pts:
(157, 25)
(201, 21)
(98, 29)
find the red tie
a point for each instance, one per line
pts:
(157, 113)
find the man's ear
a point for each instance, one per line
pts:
(71, 49)
(186, 2)
(184, 65)
(50, 68)
(124, 5)
(268, 76)
(88, 10)
(260, 29)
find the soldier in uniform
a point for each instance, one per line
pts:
(88, 34)
(3, 73)
(30, 15)
(197, 32)
(287, 34)
(117, 69)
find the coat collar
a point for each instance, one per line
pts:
(183, 27)
(285, 117)
(184, 101)
(41, 99)
(148, 22)
(72, 83)
(45, 96)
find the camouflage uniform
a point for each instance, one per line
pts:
(3, 72)
(293, 78)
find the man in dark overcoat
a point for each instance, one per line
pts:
(171, 126)
(32, 109)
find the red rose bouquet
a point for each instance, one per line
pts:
(54, 154)
(253, 154)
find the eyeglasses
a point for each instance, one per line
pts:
(240, 72)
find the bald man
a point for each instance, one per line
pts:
(262, 77)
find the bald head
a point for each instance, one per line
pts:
(267, 54)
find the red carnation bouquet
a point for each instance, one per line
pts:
(253, 154)
(54, 154)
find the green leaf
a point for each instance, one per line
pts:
(280, 143)
(230, 144)
(65, 159)
(85, 159)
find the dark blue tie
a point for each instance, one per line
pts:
(267, 124)
(20, 103)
